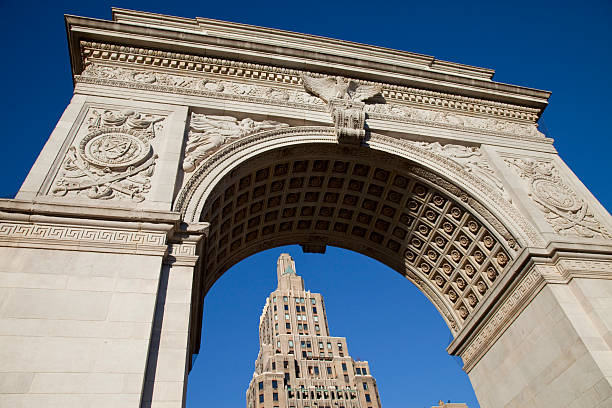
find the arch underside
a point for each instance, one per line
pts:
(363, 200)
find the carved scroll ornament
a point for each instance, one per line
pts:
(564, 210)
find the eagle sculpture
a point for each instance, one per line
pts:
(328, 89)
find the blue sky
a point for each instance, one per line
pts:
(559, 46)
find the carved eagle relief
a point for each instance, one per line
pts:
(328, 89)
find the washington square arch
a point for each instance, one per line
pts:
(191, 144)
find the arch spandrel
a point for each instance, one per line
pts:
(418, 212)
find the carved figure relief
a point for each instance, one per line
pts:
(208, 132)
(113, 160)
(564, 210)
(345, 101)
(471, 159)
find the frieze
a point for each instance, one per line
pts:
(452, 120)
(568, 214)
(254, 93)
(113, 160)
(98, 52)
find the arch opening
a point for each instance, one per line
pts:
(363, 200)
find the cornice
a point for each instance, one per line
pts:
(287, 50)
(189, 64)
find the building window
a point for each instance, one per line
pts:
(329, 346)
(302, 300)
(305, 326)
(316, 370)
(365, 385)
(314, 310)
(275, 384)
(285, 298)
(363, 371)
(261, 385)
(339, 346)
(321, 345)
(274, 365)
(286, 316)
(304, 354)
(290, 343)
(261, 398)
(274, 299)
(288, 326)
(285, 364)
(343, 366)
(316, 318)
(368, 399)
(299, 326)
(313, 301)
(276, 326)
(286, 307)
(275, 396)
(275, 317)
(278, 343)
(329, 370)
(297, 308)
(317, 327)
(346, 378)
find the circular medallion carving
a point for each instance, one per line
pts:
(116, 149)
(555, 194)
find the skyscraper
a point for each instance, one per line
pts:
(299, 364)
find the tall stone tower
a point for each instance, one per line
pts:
(299, 364)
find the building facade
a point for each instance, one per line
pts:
(299, 364)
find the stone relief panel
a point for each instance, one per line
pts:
(471, 159)
(208, 132)
(568, 214)
(453, 120)
(199, 85)
(113, 159)
(277, 95)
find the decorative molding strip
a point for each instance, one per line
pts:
(141, 57)
(570, 268)
(561, 272)
(78, 236)
(505, 314)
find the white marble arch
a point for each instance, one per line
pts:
(192, 197)
(103, 268)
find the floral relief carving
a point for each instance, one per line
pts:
(209, 132)
(114, 160)
(567, 213)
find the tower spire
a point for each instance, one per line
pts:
(286, 274)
